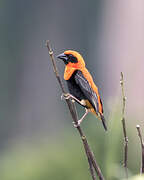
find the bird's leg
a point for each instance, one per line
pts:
(68, 96)
(82, 118)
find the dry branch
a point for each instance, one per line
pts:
(124, 126)
(142, 147)
(90, 156)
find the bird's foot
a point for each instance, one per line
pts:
(82, 118)
(68, 96)
(65, 96)
(78, 123)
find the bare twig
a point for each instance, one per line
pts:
(72, 109)
(142, 147)
(91, 159)
(91, 168)
(124, 126)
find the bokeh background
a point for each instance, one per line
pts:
(37, 138)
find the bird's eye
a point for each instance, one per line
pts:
(72, 59)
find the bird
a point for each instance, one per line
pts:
(81, 86)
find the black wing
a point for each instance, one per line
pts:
(86, 89)
(89, 94)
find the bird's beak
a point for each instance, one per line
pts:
(62, 56)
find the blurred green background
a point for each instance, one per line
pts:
(37, 138)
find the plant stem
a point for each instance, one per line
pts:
(90, 156)
(124, 126)
(142, 147)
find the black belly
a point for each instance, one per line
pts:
(74, 89)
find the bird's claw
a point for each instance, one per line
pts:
(76, 124)
(65, 96)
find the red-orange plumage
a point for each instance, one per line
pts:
(80, 65)
(81, 85)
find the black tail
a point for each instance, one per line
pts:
(103, 121)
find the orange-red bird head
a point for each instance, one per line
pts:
(72, 59)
